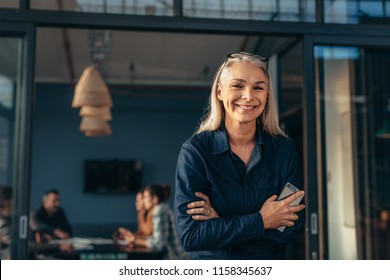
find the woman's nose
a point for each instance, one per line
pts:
(247, 94)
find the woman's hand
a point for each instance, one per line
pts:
(127, 235)
(280, 213)
(202, 210)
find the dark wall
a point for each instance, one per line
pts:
(149, 124)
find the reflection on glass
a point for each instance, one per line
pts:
(357, 11)
(9, 70)
(6, 89)
(134, 7)
(283, 10)
(354, 95)
(9, 4)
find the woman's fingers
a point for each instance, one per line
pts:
(292, 197)
(279, 213)
(293, 217)
(200, 217)
(201, 210)
(199, 203)
(124, 231)
(202, 196)
(196, 204)
(295, 209)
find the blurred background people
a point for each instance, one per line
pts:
(164, 237)
(5, 222)
(144, 217)
(50, 221)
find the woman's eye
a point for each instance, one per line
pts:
(258, 88)
(237, 86)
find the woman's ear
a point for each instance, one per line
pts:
(219, 96)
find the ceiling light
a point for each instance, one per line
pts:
(91, 90)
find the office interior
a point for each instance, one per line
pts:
(329, 62)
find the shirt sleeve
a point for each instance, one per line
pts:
(221, 233)
(159, 239)
(36, 223)
(65, 226)
(293, 175)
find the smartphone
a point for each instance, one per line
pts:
(288, 190)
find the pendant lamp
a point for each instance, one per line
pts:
(92, 95)
(91, 90)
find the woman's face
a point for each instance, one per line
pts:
(243, 91)
(139, 201)
(148, 200)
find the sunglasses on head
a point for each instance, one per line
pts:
(242, 54)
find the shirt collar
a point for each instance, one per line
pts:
(221, 142)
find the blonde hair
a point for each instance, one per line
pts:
(215, 111)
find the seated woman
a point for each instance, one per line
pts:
(144, 217)
(164, 235)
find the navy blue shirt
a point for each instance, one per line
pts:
(207, 164)
(41, 222)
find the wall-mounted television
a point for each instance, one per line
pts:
(112, 176)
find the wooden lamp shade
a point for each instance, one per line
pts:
(94, 126)
(91, 90)
(100, 112)
(98, 133)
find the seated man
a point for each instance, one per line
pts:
(49, 221)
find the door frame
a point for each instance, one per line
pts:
(21, 167)
(314, 162)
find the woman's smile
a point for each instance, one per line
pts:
(246, 107)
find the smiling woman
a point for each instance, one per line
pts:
(229, 173)
(243, 93)
(216, 112)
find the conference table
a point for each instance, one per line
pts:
(85, 248)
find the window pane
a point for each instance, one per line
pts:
(134, 7)
(356, 11)
(267, 10)
(9, 4)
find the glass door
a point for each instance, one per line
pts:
(353, 108)
(10, 52)
(16, 87)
